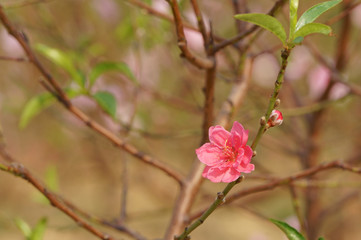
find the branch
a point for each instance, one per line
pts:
(201, 24)
(161, 15)
(244, 34)
(203, 63)
(285, 181)
(61, 96)
(19, 170)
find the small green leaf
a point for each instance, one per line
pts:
(293, 17)
(298, 40)
(313, 28)
(39, 103)
(34, 107)
(265, 21)
(106, 101)
(39, 229)
(24, 227)
(62, 60)
(291, 233)
(321, 238)
(104, 67)
(51, 178)
(314, 12)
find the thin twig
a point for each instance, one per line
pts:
(201, 24)
(203, 63)
(13, 59)
(161, 15)
(284, 181)
(297, 208)
(62, 97)
(19, 170)
(244, 34)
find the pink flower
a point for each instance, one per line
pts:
(227, 154)
(275, 118)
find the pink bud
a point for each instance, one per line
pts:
(275, 118)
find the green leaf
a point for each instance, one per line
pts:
(321, 238)
(62, 60)
(313, 28)
(265, 21)
(24, 227)
(106, 101)
(39, 103)
(314, 12)
(39, 229)
(298, 40)
(104, 67)
(291, 233)
(293, 17)
(34, 107)
(51, 178)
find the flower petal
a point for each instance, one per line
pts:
(209, 154)
(205, 171)
(218, 135)
(231, 175)
(238, 128)
(239, 134)
(247, 169)
(246, 156)
(221, 175)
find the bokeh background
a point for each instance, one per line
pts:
(163, 117)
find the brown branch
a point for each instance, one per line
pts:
(284, 181)
(25, 3)
(19, 170)
(61, 96)
(201, 24)
(13, 59)
(297, 208)
(203, 63)
(336, 75)
(161, 15)
(310, 159)
(244, 34)
(239, 6)
(112, 224)
(236, 96)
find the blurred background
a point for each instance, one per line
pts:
(161, 114)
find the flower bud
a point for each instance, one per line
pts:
(275, 118)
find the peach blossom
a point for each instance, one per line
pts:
(227, 155)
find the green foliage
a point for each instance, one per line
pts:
(291, 233)
(62, 60)
(314, 12)
(293, 16)
(105, 67)
(313, 28)
(51, 182)
(265, 21)
(39, 103)
(36, 233)
(38, 230)
(106, 101)
(298, 29)
(34, 106)
(23, 227)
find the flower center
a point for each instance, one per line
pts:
(230, 154)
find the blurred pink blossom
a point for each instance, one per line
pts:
(300, 63)
(356, 16)
(227, 154)
(318, 81)
(107, 9)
